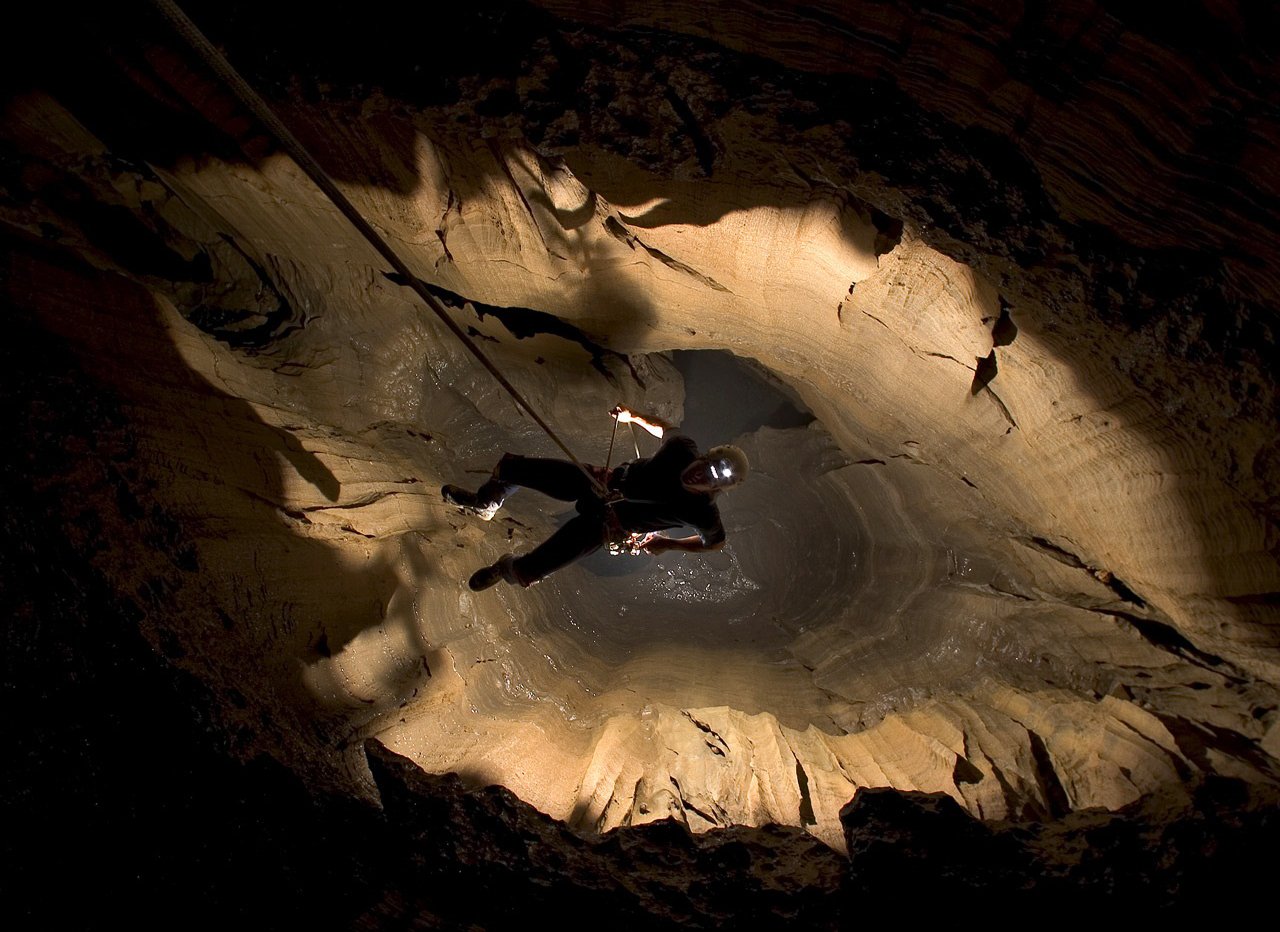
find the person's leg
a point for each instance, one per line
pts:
(583, 535)
(556, 478)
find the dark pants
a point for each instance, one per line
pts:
(562, 480)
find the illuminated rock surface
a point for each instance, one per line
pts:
(1023, 555)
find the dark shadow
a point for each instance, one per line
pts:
(573, 218)
(111, 327)
(523, 323)
(726, 395)
(1004, 331)
(307, 464)
(672, 211)
(983, 374)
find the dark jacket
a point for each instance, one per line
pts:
(655, 499)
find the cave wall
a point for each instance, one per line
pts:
(1065, 574)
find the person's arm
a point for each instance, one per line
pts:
(708, 538)
(657, 544)
(653, 425)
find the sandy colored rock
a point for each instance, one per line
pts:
(1016, 550)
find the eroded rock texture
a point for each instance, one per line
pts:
(1018, 264)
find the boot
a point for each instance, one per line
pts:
(488, 576)
(483, 503)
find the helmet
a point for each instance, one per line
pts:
(726, 465)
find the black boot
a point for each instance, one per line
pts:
(488, 576)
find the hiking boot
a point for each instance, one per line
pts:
(470, 503)
(488, 576)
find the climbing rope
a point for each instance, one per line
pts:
(190, 33)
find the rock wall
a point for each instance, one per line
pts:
(1025, 556)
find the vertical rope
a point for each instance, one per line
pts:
(608, 460)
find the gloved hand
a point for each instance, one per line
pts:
(653, 544)
(627, 416)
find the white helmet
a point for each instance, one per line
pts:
(726, 465)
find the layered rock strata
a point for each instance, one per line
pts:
(1025, 555)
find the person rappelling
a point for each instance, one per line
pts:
(674, 488)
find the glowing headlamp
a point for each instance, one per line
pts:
(721, 471)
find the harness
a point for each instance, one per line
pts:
(617, 539)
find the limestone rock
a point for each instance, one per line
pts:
(1020, 548)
